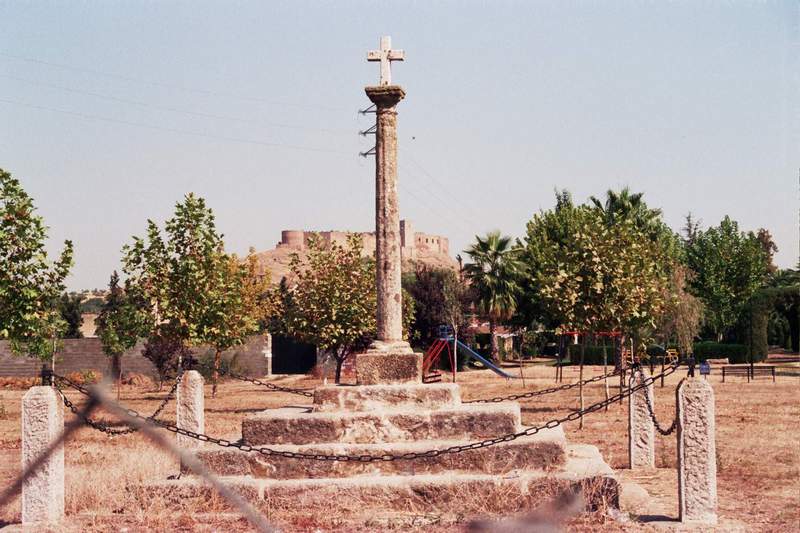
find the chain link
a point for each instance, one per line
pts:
(271, 452)
(103, 427)
(652, 413)
(542, 392)
(271, 386)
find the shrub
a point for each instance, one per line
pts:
(736, 353)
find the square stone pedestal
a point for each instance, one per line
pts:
(386, 365)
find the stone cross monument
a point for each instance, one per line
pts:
(389, 359)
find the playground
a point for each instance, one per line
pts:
(758, 461)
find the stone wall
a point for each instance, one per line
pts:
(410, 240)
(79, 355)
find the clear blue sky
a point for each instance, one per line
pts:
(110, 112)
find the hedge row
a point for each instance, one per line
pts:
(736, 353)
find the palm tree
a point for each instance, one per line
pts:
(624, 205)
(493, 273)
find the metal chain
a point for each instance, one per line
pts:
(542, 392)
(658, 427)
(105, 428)
(271, 386)
(266, 451)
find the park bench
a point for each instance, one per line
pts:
(750, 371)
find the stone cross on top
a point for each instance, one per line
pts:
(386, 55)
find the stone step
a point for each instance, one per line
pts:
(460, 422)
(542, 451)
(370, 397)
(362, 497)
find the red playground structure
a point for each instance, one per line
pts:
(431, 360)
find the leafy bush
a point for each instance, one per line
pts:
(736, 353)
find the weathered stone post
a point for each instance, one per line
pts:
(389, 359)
(641, 430)
(697, 452)
(42, 424)
(191, 408)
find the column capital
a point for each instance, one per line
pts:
(385, 96)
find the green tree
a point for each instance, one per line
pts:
(590, 271)
(120, 323)
(493, 274)
(333, 301)
(29, 282)
(69, 305)
(189, 285)
(683, 312)
(234, 308)
(730, 266)
(440, 297)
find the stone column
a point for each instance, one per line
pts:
(191, 408)
(387, 214)
(697, 455)
(389, 359)
(42, 424)
(641, 431)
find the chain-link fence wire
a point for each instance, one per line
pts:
(102, 426)
(145, 425)
(367, 458)
(542, 392)
(659, 428)
(270, 386)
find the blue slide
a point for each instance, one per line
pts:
(488, 364)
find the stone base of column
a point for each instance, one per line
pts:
(387, 363)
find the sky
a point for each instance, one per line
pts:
(110, 112)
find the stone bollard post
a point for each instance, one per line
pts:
(191, 408)
(42, 424)
(697, 457)
(641, 431)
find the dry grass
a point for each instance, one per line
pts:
(757, 436)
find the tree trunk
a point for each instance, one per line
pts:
(621, 363)
(580, 378)
(116, 371)
(495, 350)
(339, 363)
(605, 372)
(215, 373)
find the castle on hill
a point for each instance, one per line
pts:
(412, 242)
(416, 247)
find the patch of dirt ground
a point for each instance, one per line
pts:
(758, 430)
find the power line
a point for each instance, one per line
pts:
(440, 184)
(130, 79)
(445, 206)
(169, 108)
(175, 130)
